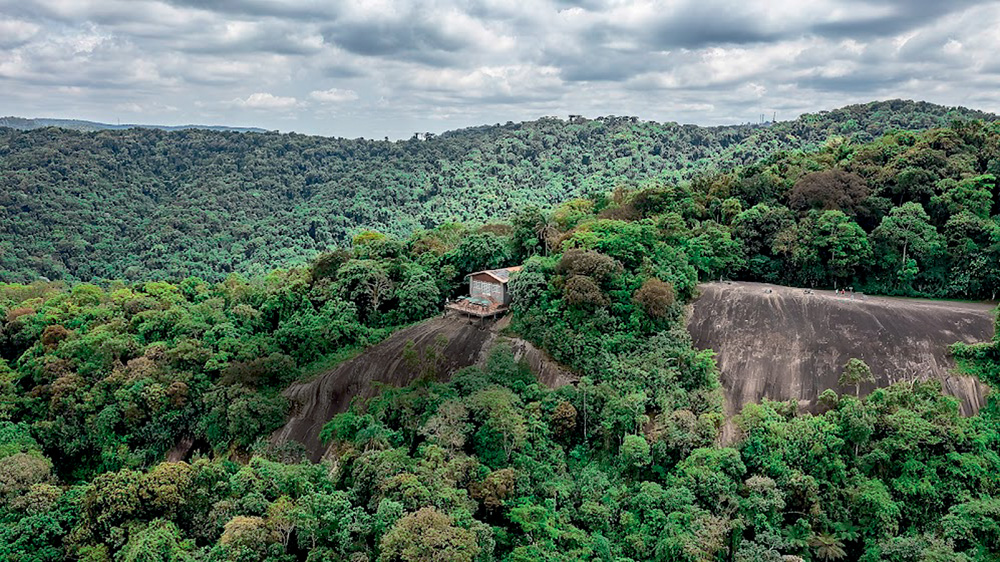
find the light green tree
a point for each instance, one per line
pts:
(428, 535)
(856, 372)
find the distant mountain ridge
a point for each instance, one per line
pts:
(25, 124)
(142, 203)
(874, 111)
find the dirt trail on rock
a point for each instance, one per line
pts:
(315, 402)
(782, 343)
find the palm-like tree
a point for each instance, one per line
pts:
(546, 230)
(828, 546)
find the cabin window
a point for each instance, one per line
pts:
(485, 289)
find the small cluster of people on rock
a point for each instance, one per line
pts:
(849, 291)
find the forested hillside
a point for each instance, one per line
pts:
(101, 384)
(152, 205)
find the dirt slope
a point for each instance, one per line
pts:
(782, 343)
(315, 402)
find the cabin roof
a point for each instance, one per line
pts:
(502, 275)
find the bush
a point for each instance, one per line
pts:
(829, 190)
(593, 264)
(581, 290)
(655, 297)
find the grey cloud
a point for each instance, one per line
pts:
(603, 71)
(900, 16)
(413, 38)
(385, 39)
(439, 64)
(498, 99)
(710, 23)
(342, 71)
(590, 5)
(713, 23)
(15, 33)
(852, 83)
(280, 39)
(693, 25)
(604, 65)
(70, 12)
(300, 9)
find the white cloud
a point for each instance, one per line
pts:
(144, 109)
(494, 82)
(264, 100)
(15, 32)
(333, 95)
(441, 64)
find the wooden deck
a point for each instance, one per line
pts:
(476, 310)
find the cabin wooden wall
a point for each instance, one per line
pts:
(484, 286)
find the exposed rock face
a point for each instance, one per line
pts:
(315, 402)
(772, 342)
(549, 373)
(782, 343)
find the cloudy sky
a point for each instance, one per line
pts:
(381, 68)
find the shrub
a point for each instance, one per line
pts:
(655, 297)
(593, 264)
(582, 290)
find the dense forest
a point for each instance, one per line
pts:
(145, 205)
(100, 383)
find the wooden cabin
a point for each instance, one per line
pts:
(491, 285)
(489, 295)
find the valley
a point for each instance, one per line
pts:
(231, 347)
(487, 281)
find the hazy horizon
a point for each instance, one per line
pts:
(766, 118)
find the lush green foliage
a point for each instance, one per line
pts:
(99, 384)
(114, 377)
(489, 466)
(146, 205)
(910, 214)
